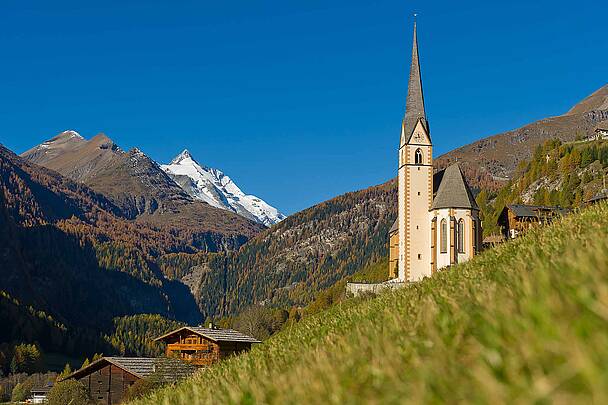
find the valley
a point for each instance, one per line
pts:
(521, 323)
(132, 229)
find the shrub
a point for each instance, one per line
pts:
(22, 390)
(142, 387)
(68, 392)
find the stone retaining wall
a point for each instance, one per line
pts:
(357, 289)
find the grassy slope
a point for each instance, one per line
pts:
(527, 321)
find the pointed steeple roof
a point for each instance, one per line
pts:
(454, 191)
(414, 105)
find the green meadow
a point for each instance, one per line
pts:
(525, 322)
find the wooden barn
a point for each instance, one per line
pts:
(515, 219)
(108, 379)
(204, 346)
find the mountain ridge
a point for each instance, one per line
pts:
(492, 160)
(217, 189)
(140, 188)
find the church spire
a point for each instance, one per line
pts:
(414, 106)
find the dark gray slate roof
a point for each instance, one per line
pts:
(520, 210)
(414, 104)
(217, 335)
(42, 389)
(168, 367)
(171, 369)
(454, 191)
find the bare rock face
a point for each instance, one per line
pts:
(491, 161)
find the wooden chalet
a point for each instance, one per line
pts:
(108, 379)
(515, 219)
(205, 346)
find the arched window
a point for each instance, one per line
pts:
(444, 236)
(460, 236)
(418, 157)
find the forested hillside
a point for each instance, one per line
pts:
(524, 322)
(70, 264)
(558, 174)
(307, 252)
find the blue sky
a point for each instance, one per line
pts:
(297, 101)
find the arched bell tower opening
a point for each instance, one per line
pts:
(418, 157)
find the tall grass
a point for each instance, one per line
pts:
(524, 322)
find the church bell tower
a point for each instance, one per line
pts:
(415, 181)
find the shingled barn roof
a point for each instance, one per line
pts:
(454, 192)
(522, 211)
(217, 335)
(170, 369)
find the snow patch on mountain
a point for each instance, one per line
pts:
(218, 190)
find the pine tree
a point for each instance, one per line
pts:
(67, 370)
(14, 366)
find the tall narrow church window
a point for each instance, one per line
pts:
(444, 236)
(460, 236)
(474, 234)
(418, 157)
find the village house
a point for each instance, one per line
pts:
(600, 134)
(108, 379)
(39, 393)
(205, 346)
(188, 348)
(517, 218)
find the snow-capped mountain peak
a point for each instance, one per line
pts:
(215, 188)
(182, 157)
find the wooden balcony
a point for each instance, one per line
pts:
(183, 346)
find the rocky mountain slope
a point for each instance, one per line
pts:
(493, 160)
(218, 190)
(141, 189)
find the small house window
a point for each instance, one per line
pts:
(461, 236)
(444, 236)
(418, 156)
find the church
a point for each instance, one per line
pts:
(438, 221)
